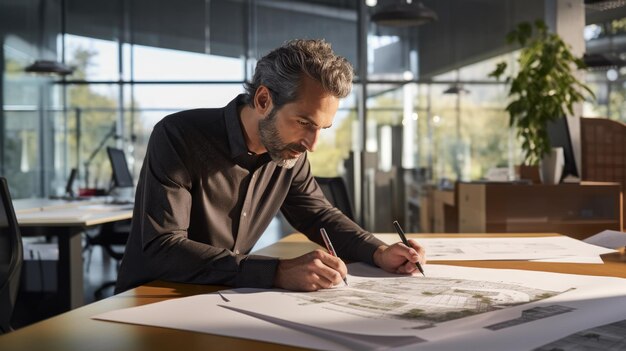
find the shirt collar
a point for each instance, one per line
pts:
(236, 140)
(234, 130)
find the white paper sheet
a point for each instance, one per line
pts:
(521, 310)
(607, 337)
(608, 238)
(572, 259)
(556, 248)
(202, 313)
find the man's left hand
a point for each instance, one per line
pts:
(399, 258)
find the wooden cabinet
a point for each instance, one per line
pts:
(576, 210)
(433, 211)
(603, 148)
(444, 211)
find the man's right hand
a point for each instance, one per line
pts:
(310, 272)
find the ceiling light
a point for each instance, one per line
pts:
(612, 74)
(404, 14)
(49, 67)
(456, 89)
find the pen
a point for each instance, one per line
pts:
(330, 248)
(406, 242)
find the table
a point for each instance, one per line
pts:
(67, 220)
(75, 330)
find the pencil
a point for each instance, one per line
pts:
(330, 248)
(406, 242)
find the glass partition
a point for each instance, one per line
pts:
(20, 152)
(135, 63)
(335, 143)
(91, 120)
(160, 64)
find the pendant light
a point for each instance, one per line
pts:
(48, 67)
(456, 89)
(404, 13)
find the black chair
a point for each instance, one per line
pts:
(335, 190)
(11, 257)
(112, 238)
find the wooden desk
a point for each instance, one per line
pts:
(76, 331)
(67, 220)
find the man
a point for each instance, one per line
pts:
(213, 179)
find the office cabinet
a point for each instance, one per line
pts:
(432, 211)
(576, 210)
(444, 211)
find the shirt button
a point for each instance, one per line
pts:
(236, 252)
(244, 214)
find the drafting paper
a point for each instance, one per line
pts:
(202, 313)
(607, 337)
(489, 309)
(608, 238)
(572, 259)
(464, 249)
(452, 308)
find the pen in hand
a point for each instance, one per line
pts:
(330, 248)
(406, 242)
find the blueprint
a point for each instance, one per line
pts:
(421, 301)
(400, 305)
(452, 308)
(552, 248)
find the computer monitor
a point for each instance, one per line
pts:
(121, 175)
(69, 186)
(558, 132)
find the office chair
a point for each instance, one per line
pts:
(337, 194)
(113, 234)
(112, 237)
(11, 257)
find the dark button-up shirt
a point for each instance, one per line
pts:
(203, 201)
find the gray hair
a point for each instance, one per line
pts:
(283, 68)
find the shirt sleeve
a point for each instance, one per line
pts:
(307, 209)
(164, 209)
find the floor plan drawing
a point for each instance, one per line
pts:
(503, 248)
(452, 308)
(425, 301)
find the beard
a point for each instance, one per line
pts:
(279, 151)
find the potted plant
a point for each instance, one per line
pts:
(543, 90)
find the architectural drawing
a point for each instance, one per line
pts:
(439, 249)
(608, 337)
(504, 248)
(454, 308)
(426, 301)
(491, 248)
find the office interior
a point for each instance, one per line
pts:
(423, 134)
